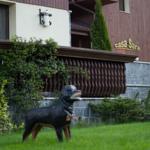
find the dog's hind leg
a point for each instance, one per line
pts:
(28, 130)
(35, 131)
(59, 133)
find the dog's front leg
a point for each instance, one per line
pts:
(67, 132)
(59, 133)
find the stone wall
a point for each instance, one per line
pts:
(137, 79)
(82, 110)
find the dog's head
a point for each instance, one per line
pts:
(70, 93)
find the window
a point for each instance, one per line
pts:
(80, 41)
(121, 5)
(124, 6)
(4, 22)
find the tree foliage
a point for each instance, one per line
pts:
(99, 33)
(5, 123)
(24, 66)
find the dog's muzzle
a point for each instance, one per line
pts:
(76, 95)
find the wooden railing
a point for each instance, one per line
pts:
(105, 71)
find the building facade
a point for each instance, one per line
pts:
(127, 21)
(24, 19)
(130, 22)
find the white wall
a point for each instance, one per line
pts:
(24, 22)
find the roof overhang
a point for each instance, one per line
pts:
(7, 2)
(95, 54)
(85, 53)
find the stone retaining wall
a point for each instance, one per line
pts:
(137, 79)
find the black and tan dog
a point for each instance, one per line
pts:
(58, 115)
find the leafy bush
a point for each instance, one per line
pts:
(147, 103)
(5, 123)
(119, 110)
(24, 66)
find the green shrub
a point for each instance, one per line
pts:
(5, 123)
(119, 110)
(147, 103)
(99, 33)
(24, 66)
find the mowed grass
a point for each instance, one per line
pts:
(111, 137)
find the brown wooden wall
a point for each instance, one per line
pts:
(134, 25)
(103, 78)
(61, 4)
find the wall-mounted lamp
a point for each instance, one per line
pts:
(45, 18)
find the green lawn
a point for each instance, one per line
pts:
(112, 137)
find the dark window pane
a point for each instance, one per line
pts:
(4, 22)
(80, 41)
(122, 5)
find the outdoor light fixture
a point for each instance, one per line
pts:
(45, 18)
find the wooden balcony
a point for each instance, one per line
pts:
(90, 3)
(105, 71)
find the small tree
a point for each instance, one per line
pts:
(5, 123)
(99, 33)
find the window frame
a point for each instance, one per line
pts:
(6, 15)
(125, 6)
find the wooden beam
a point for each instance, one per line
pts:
(85, 53)
(80, 33)
(76, 1)
(84, 8)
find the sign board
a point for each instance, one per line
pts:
(127, 44)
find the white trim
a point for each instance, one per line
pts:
(127, 7)
(138, 85)
(82, 98)
(142, 62)
(70, 27)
